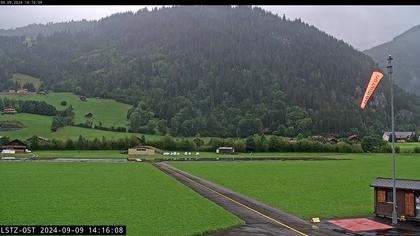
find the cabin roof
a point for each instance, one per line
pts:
(409, 184)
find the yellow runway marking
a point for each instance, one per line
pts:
(247, 207)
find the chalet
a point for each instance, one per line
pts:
(225, 150)
(22, 91)
(142, 150)
(399, 136)
(332, 139)
(408, 198)
(9, 110)
(15, 146)
(354, 138)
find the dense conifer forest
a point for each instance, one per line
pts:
(213, 71)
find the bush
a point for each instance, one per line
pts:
(373, 144)
(63, 103)
(417, 150)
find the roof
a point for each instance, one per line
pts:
(400, 134)
(410, 184)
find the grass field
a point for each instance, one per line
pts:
(107, 111)
(41, 126)
(326, 189)
(82, 154)
(23, 79)
(137, 195)
(408, 147)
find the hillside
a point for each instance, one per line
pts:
(217, 71)
(406, 52)
(106, 112)
(33, 30)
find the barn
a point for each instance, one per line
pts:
(15, 146)
(142, 150)
(408, 198)
(227, 150)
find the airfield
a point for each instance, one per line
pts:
(151, 201)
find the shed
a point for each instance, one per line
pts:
(142, 150)
(223, 150)
(15, 145)
(408, 198)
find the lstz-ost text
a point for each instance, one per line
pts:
(63, 230)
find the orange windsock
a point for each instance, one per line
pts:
(374, 81)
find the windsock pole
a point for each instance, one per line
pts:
(394, 189)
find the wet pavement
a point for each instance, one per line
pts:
(260, 219)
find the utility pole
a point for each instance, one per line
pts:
(394, 189)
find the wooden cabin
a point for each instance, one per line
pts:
(408, 198)
(9, 110)
(142, 150)
(225, 150)
(15, 145)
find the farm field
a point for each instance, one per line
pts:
(107, 111)
(408, 147)
(81, 154)
(41, 126)
(137, 195)
(23, 79)
(326, 189)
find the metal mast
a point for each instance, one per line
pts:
(394, 190)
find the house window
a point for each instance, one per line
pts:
(389, 196)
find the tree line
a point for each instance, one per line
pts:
(29, 106)
(255, 143)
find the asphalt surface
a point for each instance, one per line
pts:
(260, 219)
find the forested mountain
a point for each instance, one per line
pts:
(33, 30)
(218, 71)
(405, 49)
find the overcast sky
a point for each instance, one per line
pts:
(361, 26)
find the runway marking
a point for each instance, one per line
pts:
(243, 205)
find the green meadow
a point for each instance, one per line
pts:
(408, 147)
(107, 111)
(326, 189)
(139, 196)
(41, 126)
(23, 79)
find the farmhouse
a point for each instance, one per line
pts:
(16, 146)
(9, 110)
(22, 91)
(223, 150)
(332, 139)
(354, 138)
(142, 150)
(408, 198)
(399, 136)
